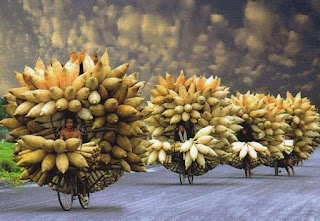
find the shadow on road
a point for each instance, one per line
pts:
(212, 183)
(265, 177)
(307, 166)
(75, 208)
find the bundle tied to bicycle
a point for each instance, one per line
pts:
(305, 125)
(257, 110)
(106, 104)
(202, 104)
(271, 119)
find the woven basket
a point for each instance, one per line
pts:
(176, 164)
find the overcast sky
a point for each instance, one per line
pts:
(269, 45)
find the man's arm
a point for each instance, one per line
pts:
(62, 134)
(176, 136)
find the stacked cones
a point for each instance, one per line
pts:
(304, 123)
(107, 103)
(267, 119)
(203, 103)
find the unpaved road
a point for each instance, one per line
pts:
(221, 194)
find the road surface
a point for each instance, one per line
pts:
(221, 194)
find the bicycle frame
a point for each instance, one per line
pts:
(69, 190)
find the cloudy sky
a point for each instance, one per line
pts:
(265, 45)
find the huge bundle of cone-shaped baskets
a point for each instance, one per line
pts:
(216, 120)
(267, 122)
(275, 120)
(106, 104)
(305, 127)
(202, 104)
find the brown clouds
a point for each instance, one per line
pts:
(168, 36)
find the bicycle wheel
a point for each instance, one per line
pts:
(190, 179)
(247, 169)
(84, 203)
(65, 199)
(276, 169)
(182, 178)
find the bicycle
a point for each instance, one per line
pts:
(182, 178)
(69, 189)
(183, 173)
(247, 167)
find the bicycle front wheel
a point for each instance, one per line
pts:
(248, 170)
(65, 193)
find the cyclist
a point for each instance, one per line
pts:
(245, 135)
(71, 131)
(183, 133)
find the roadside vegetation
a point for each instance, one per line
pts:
(9, 171)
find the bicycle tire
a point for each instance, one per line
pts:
(247, 169)
(83, 204)
(65, 199)
(276, 168)
(182, 178)
(190, 179)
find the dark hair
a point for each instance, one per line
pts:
(69, 115)
(182, 123)
(247, 127)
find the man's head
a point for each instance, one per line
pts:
(69, 123)
(70, 120)
(244, 130)
(181, 128)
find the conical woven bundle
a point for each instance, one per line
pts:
(195, 101)
(47, 94)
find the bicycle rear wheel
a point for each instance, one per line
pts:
(65, 196)
(84, 204)
(80, 186)
(182, 178)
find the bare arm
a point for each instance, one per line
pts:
(62, 134)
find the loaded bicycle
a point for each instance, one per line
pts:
(183, 173)
(69, 188)
(176, 164)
